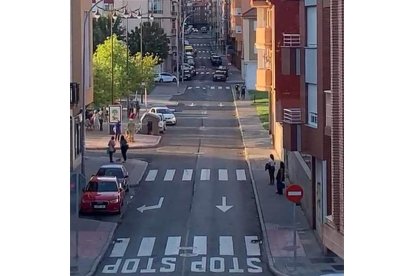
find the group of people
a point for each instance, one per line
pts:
(240, 91)
(123, 145)
(95, 119)
(280, 177)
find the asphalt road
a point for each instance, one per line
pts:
(194, 211)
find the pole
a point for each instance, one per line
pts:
(112, 61)
(142, 68)
(127, 58)
(294, 235)
(177, 56)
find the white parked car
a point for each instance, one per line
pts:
(166, 113)
(165, 77)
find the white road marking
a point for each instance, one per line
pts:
(208, 73)
(223, 176)
(205, 174)
(226, 245)
(169, 175)
(190, 87)
(204, 87)
(120, 247)
(187, 174)
(241, 175)
(197, 73)
(146, 247)
(252, 249)
(173, 246)
(197, 87)
(202, 73)
(152, 174)
(212, 87)
(220, 87)
(227, 87)
(200, 245)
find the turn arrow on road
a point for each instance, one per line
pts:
(224, 207)
(144, 207)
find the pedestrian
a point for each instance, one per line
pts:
(124, 148)
(243, 92)
(271, 167)
(280, 179)
(118, 130)
(138, 107)
(111, 149)
(100, 118)
(237, 91)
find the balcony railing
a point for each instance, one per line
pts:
(292, 116)
(291, 40)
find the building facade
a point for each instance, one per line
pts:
(78, 10)
(249, 58)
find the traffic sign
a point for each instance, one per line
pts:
(294, 193)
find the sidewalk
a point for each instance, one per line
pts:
(89, 239)
(276, 212)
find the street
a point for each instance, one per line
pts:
(194, 210)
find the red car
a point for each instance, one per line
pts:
(102, 194)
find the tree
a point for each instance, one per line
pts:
(155, 41)
(102, 30)
(125, 79)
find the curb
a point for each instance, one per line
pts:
(131, 147)
(109, 241)
(256, 197)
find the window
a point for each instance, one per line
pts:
(312, 97)
(156, 6)
(238, 29)
(311, 27)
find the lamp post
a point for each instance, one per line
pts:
(183, 44)
(178, 7)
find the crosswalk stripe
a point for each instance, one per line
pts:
(202, 73)
(223, 175)
(173, 244)
(197, 87)
(197, 73)
(208, 73)
(241, 175)
(187, 174)
(190, 87)
(220, 87)
(227, 87)
(212, 87)
(252, 249)
(120, 247)
(146, 247)
(152, 174)
(200, 245)
(204, 87)
(205, 174)
(226, 245)
(169, 175)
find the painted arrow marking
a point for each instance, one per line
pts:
(224, 207)
(144, 207)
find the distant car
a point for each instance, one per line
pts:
(166, 112)
(225, 69)
(190, 61)
(195, 30)
(165, 77)
(189, 67)
(219, 76)
(215, 60)
(186, 42)
(187, 74)
(102, 194)
(203, 29)
(117, 170)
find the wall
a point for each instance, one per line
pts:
(249, 74)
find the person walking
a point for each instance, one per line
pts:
(118, 130)
(124, 148)
(243, 92)
(237, 91)
(280, 179)
(111, 149)
(101, 119)
(271, 167)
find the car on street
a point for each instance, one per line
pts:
(117, 170)
(219, 75)
(189, 67)
(215, 60)
(204, 30)
(166, 113)
(187, 75)
(225, 69)
(190, 61)
(165, 77)
(102, 194)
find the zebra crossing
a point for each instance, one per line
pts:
(188, 174)
(201, 44)
(205, 254)
(209, 87)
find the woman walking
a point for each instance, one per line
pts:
(124, 148)
(280, 179)
(111, 149)
(270, 166)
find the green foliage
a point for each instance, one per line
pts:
(155, 41)
(262, 106)
(102, 30)
(128, 71)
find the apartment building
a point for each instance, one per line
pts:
(249, 58)
(200, 15)
(78, 8)
(237, 8)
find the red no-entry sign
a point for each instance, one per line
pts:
(294, 193)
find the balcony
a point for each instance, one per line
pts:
(263, 38)
(291, 40)
(263, 79)
(260, 3)
(292, 116)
